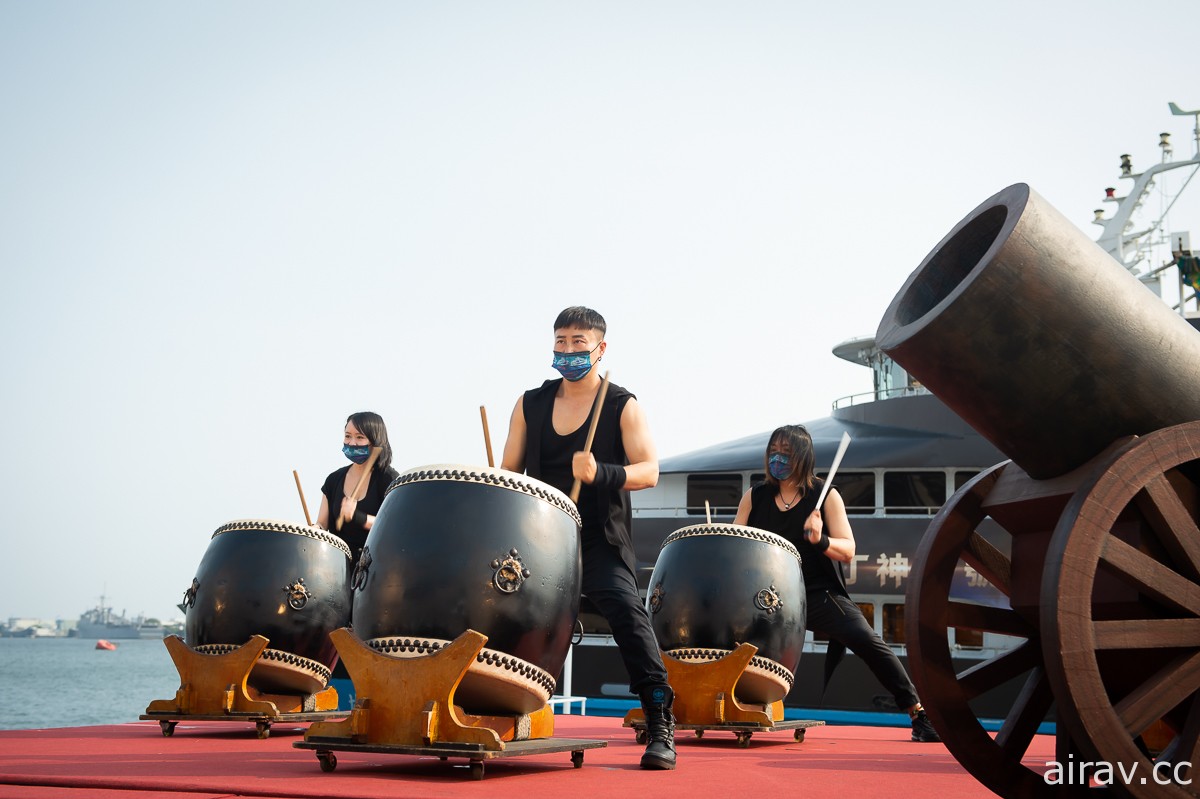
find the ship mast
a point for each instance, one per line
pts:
(1133, 247)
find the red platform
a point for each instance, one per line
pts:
(223, 759)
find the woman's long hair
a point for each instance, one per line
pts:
(800, 443)
(371, 425)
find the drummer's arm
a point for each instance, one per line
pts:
(323, 513)
(642, 469)
(831, 520)
(743, 511)
(513, 457)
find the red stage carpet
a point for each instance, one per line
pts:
(223, 759)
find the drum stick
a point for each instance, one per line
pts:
(707, 512)
(363, 479)
(587, 447)
(487, 438)
(303, 504)
(837, 459)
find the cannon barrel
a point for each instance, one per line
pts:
(1039, 339)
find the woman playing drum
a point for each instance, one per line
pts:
(364, 431)
(786, 504)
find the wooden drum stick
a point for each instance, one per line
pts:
(837, 460)
(360, 489)
(303, 504)
(487, 438)
(587, 447)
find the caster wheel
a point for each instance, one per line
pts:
(799, 735)
(328, 761)
(640, 735)
(699, 733)
(262, 729)
(477, 769)
(577, 758)
(167, 727)
(743, 739)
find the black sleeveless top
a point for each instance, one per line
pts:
(548, 455)
(820, 572)
(334, 489)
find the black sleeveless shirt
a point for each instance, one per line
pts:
(548, 455)
(820, 572)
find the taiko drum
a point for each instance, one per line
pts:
(716, 586)
(286, 582)
(457, 548)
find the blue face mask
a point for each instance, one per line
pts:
(780, 465)
(573, 365)
(356, 454)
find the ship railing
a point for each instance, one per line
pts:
(883, 394)
(725, 514)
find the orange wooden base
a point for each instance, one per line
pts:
(704, 693)
(211, 685)
(410, 701)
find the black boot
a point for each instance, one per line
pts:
(660, 727)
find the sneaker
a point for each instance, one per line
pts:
(923, 731)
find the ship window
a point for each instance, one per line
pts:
(913, 492)
(857, 490)
(968, 639)
(723, 492)
(961, 478)
(893, 623)
(868, 610)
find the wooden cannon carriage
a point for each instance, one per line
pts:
(1091, 385)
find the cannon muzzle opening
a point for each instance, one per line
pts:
(1039, 339)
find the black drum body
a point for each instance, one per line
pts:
(288, 583)
(457, 548)
(716, 586)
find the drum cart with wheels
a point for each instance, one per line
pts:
(405, 706)
(705, 701)
(213, 688)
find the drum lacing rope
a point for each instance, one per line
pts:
(735, 532)
(273, 655)
(280, 527)
(488, 657)
(766, 664)
(501, 480)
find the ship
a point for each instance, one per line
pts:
(102, 622)
(909, 455)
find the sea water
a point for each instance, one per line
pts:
(67, 682)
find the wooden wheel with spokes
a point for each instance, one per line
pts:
(1121, 610)
(953, 538)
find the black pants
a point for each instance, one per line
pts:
(837, 618)
(610, 585)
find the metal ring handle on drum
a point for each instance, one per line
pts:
(509, 572)
(359, 579)
(189, 596)
(654, 601)
(768, 599)
(577, 635)
(297, 594)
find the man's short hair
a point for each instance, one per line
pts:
(581, 317)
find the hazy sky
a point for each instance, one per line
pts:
(225, 226)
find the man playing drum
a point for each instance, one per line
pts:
(547, 435)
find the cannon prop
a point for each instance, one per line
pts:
(1056, 354)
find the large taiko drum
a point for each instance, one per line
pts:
(716, 586)
(286, 582)
(457, 548)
